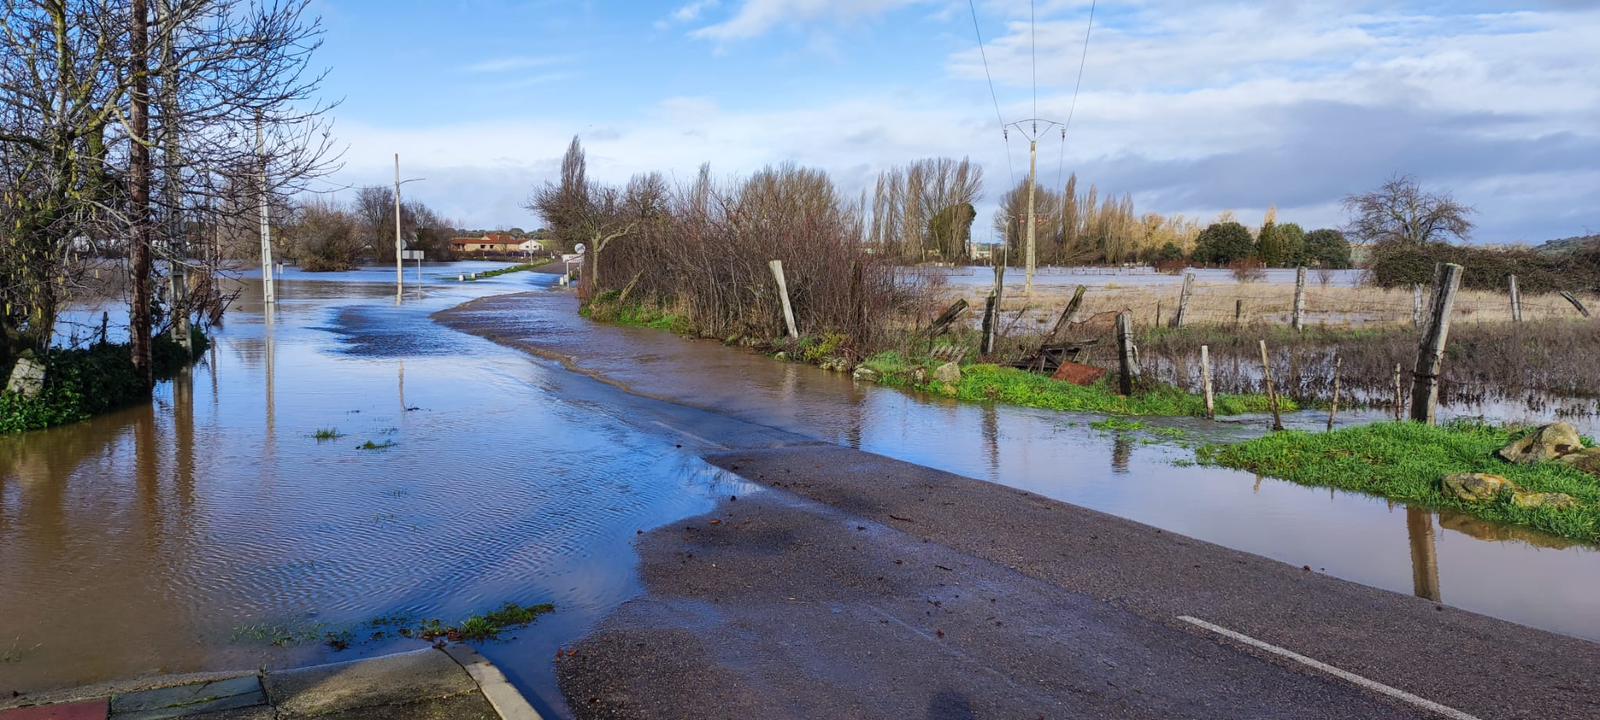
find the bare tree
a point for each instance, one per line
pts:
(1401, 212)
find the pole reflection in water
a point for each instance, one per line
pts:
(991, 438)
(1121, 453)
(1424, 553)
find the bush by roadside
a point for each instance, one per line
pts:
(82, 383)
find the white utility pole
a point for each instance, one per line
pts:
(268, 291)
(399, 270)
(1030, 129)
(1033, 220)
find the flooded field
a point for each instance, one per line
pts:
(198, 532)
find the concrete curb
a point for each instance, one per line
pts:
(421, 683)
(508, 703)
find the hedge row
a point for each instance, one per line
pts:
(1487, 269)
(82, 383)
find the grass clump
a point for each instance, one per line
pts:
(505, 271)
(323, 434)
(370, 445)
(609, 308)
(488, 626)
(1405, 462)
(992, 383)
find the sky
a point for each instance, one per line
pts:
(1192, 107)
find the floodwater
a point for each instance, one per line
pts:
(193, 533)
(1141, 276)
(190, 534)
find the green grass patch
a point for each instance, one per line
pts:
(992, 383)
(1405, 461)
(323, 434)
(484, 627)
(506, 271)
(606, 308)
(370, 445)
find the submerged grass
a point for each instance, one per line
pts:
(327, 434)
(506, 271)
(1405, 462)
(992, 383)
(487, 626)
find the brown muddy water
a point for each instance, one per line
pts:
(210, 530)
(190, 534)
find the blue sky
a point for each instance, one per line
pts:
(1193, 107)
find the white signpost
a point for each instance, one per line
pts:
(417, 256)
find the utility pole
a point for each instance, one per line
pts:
(268, 292)
(139, 191)
(1030, 129)
(399, 270)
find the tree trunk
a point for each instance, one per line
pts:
(139, 192)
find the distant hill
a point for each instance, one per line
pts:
(1569, 245)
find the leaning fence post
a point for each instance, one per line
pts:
(1300, 299)
(1416, 305)
(783, 295)
(1183, 300)
(1238, 312)
(1333, 409)
(1068, 314)
(1399, 396)
(1516, 298)
(1158, 313)
(1430, 352)
(1205, 381)
(1272, 389)
(1575, 303)
(1125, 358)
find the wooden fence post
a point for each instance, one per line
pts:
(1516, 298)
(990, 310)
(1183, 300)
(1575, 303)
(1068, 314)
(1399, 396)
(1238, 312)
(1416, 305)
(1125, 359)
(1272, 388)
(1430, 352)
(1205, 380)
(1158, 313)
(783, 294)
(1300, 299)
(1333, 409)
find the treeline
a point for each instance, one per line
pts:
(144, 129)
(1227, 242)
(924, 210)
(1403, 265)
(325, 235)
(701, 251)
(1083, 228)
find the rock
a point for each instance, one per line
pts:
(834, 364)
(919, 375)
(866, 374)
(1553, 501)
(1587, 460)
(947, 373)
(1546, 443)
(27, 377)
(1475, 487)
(1078, 374)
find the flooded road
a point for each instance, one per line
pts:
(1517, 575)
(212, 530)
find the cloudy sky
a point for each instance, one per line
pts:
(1194, 107)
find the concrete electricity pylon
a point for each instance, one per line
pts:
(399, 245)
(1031, 129)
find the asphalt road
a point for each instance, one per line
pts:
(860, 586)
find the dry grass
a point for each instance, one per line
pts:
(1264, 303)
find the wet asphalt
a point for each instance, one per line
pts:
(860, 586)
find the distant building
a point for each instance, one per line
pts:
(495, 244)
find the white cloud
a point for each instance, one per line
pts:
(755, 18)
(516, 62)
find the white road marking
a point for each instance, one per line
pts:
(1372, 685)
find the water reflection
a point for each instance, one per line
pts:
(1424, 554)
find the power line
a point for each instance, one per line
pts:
(992, 96)
(1079, 85)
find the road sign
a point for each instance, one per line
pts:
(410, 254)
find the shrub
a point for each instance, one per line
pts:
(1326, 248)
(1222, 243)
(82, 383)
(1248, 270)
(1395, 265)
